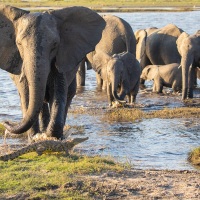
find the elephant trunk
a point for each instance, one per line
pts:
(36, 74)
(187, 90)
(115, 85)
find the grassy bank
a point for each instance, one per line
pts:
(50, 176)
(100, 5)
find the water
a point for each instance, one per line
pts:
(152, 143)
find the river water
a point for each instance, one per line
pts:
(152, 143)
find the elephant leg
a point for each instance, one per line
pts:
(109, 94)
(81, 73)
(44, 117)
(57, 105)
(134, 92)
(191, 81)
(71, 93)
(99, 81)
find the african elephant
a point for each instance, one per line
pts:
(189, 49)
(160, 48)
(122, 72)
(38, 45)
(141, 36)
(163, 75)
(117, 37)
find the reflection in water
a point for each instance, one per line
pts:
(153, 143)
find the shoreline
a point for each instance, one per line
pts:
(123, 8)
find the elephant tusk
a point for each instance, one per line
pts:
(179, 66)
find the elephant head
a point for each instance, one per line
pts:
(31, 42)
(116, 70)
(148, 73)
(189, 49)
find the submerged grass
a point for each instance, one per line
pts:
(47, 176)
(132, 114)
(124, 114)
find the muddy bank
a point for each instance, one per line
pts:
(148, 184)
(132, 184)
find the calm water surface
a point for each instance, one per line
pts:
(152, 143)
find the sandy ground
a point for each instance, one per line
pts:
(143, 184)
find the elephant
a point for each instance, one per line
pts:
(122, 73)
(117, 37)
(43, 51)
(168, 45)
(141, 36)
(160, 48)
(189, 49)
(169, 75)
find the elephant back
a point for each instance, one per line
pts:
(161, 45)
(117, 36)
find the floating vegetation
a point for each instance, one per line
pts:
(124, 114)
(194, 156)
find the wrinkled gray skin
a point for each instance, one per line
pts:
(164, 75)
(43, 50)
(141, 36)
(117, 37)
(122, 73)
(189, 49)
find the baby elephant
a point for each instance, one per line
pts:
(169, 75)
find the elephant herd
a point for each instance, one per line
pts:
(47, 53)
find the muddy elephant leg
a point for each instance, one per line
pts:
(134, 93)
(109, 94)
(57, 106)
(81, 73)
(191, 81)
(44, 117)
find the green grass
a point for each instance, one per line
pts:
(103, 3)
(47, 176)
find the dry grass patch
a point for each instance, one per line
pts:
(124, 114)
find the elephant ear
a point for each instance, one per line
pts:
(179, 41)
(9, 54)
(80, 30)
(100, 60)
(141, 36)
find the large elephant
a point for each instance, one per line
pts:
(189, 49)
(117, 37)
(35, 46)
